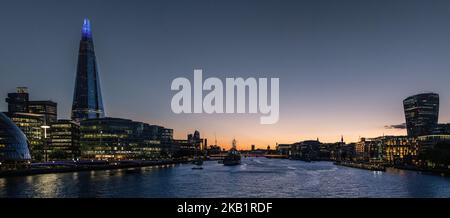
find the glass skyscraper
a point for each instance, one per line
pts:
(421, 113)
(87, 99)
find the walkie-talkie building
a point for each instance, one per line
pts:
(421, 113)
(87, 99)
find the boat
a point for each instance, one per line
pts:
(233, 157)
(198, 162)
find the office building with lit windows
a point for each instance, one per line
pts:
(400, 150)
(117, 139)
(31, 126)
(32, 117)
(64, 140)
(370, 150)
(421, 113)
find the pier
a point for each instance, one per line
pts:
(365, 166)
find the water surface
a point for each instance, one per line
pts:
(256, 177)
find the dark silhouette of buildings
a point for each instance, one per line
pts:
(18, 102)
(306, 150)
(87, 99)
(46, 108)
(283, 149)
(200, 144)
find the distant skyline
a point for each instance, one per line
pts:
(344, 66)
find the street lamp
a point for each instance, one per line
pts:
(101, 137)
(45, 127)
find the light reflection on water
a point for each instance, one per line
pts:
(256, 177)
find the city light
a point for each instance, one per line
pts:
(45, 130)
(121, 117)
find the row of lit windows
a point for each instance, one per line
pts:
(103, 135)
(61, 140)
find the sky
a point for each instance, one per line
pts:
(344, 66)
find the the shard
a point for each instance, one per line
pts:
(87, 98)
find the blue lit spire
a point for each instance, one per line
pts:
(86, 31)
(87, 98)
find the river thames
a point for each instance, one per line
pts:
(255, 177)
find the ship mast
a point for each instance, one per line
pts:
(233, 144)
(215, 139)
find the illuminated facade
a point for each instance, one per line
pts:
(421, 113)
(31, 126)
(87, 99)
(391, 150)
(64, 144)
(13, 143)
(117, 139)
(31, 117)
(400, 150)
(370, 150)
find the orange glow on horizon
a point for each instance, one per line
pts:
(262, 141)
(290, 129)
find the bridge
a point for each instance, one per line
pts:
(223, 155)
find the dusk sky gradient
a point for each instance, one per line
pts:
(344, 66)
